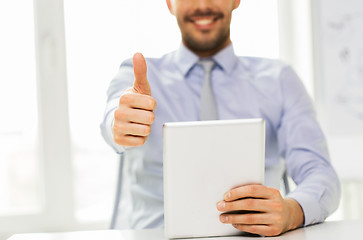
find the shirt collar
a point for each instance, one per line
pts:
(186, 59)
(226, 59)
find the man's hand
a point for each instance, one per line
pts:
(271, 216)
(134, 115)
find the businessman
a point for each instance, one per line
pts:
(146, 93)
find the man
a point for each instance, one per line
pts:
(243, 88)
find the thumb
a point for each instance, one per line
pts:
(141, 84)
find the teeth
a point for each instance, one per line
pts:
(204, 21)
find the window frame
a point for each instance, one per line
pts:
(57, 197)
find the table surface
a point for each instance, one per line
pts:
(329, 230)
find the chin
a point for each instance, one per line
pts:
(204, 44)
(206, 41)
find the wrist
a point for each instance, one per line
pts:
(295, 214)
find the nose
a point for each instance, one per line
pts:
(203, 4)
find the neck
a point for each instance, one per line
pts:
(209, 53)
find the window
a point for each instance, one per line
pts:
(254, 29)
(19, 165)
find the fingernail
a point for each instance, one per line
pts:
(227, 195)
(221, 205)
(224, 219)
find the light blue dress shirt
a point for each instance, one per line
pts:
(244, 87)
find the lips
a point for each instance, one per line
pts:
(204, 22)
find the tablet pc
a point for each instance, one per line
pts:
(202, 161)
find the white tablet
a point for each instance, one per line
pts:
(202, 161)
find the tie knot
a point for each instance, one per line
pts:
(207, 64)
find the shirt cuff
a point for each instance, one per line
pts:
(310, 207)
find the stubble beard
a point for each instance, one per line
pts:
(207, 45)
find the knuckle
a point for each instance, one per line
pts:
(118, 127)
(137, 141)
(122, 128)
(119, 114)
(270, 232)
(274, 231)
(152, 103)
(249, 218)
(144, 130)
(118, 139)
(251, 189)
(151, 117)
(276, 191)
(253, 229)
(147, 130)
(278, 206)
(249, 202)
(228, 206)
(155, 104)
(233, 193)
(116, 114)
(240, 227)
(125, 98)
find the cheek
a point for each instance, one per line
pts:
(180, 17)
(227, 19)
(180, 22)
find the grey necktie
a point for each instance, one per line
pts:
(208, 107)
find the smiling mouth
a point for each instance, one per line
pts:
(204, 20)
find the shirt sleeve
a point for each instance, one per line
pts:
(122, 81)
(303, 145)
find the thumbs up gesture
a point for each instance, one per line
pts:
(134, 115)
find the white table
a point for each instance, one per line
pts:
(340, 230)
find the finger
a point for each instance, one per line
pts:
(251, 191)
(264, 230)
(135, 116)
(129, 140)
(251, 218)
(246, 204)
(141, 84)
(134, 129)
(136, 100)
